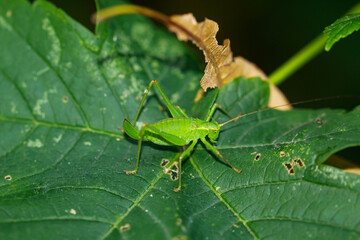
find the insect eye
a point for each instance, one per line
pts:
(215, 130)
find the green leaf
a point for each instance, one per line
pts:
(341, 28)
(63, 94)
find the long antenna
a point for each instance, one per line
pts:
(283, 105)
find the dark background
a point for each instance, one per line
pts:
(268, 33)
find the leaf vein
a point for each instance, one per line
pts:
(54, 219)
(55, 164)
(223, 200)
(157, 220)
(64, 126)
(19, 91)
(304, 221)
(81, 111)
(27, 135)
(116, 95)
(136, 203)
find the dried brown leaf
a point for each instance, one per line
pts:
(221, 67)
(243, 67)
(185, 26)
(203, 34)
(353, 170)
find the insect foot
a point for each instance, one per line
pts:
(130, 172)
(237, 170)
(177, 189)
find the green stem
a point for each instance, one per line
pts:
(307, 53)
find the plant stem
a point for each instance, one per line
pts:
(307, 53)
(128, 9)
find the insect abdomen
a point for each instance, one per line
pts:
(179, 127)
(184, 128)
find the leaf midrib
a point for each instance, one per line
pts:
(136, 203)
(244, 222)
(78, 106)
(223, 200)
(63, 126)
(305, 221)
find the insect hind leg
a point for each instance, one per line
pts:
(184, 154)
(214, 150)
(213, 109)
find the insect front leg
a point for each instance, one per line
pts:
(141, 136)
(146, 92)
(212, 111)
(184, 154)
(214, 150)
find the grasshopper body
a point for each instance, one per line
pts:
(180, 130)
(183, 131)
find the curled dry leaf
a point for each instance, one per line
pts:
(221, 67)
(220, 63)
(353, 170)
(219, 58)
(243, 67)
